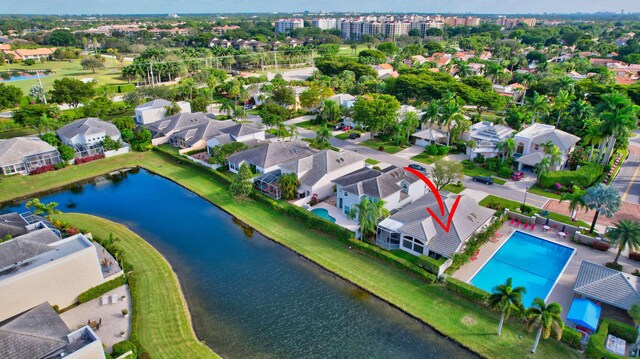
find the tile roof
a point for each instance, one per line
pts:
(273, 153)
(541, 133)
(88, 126)
(12, 224)
(417, 222)
(531, 159)
(202, 131)
(607, 285)
(312, 169)
(381, 186)
(14, 150)
(242, 129)
(157, 103)
(37, 333)
(177, 122)
(26, 246)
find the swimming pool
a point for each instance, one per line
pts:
(323, 213)
(531, 261)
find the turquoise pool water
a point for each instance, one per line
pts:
(323, 213)
(532, 262)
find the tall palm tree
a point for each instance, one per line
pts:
(546, 317)
(625, 234)
(506, 148)
(553, 153)
(322, 137)
(471, 144)
(293, 132)
(543, 167)
(593, 137)
(226, 105)
(537, 104)
(560, 103)
(505, 298)
(369, 213)
(603, 199)
(576, 200)
(410, 123)
(431, 113)
(619, 115)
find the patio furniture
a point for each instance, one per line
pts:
(526, 225)
(616, 345)
(562, 235)
(114, 299)
(511, 221)
(518, 223)
(546, 228)
(104, 300)
(533, 226)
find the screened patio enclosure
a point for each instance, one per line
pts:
(268, 184)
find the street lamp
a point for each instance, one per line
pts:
(524, 203)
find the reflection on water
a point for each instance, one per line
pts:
(254, 298)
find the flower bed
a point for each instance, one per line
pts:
(43, 169)
(87, 159)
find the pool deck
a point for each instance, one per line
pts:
(562, 292)
(341, 219)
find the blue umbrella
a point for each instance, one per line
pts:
(547, 222)
(563, 227)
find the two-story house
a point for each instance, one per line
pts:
(530, 145)
(87, 132)
(486, 136)
(155, 110)
(395, 186)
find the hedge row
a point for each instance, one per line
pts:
(392, 259)
(583, 177)
(467, 290)
(623, 331)
(122, 347)
(430, 264)
(571, 337)
(595, 347)
(103, 288)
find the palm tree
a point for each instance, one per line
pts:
(505, 298)
(543, 167)
(626, 234)
(410, 123)
(553, 153)
(634, 313)
(618, 115)
(537, 104)
(369, 213)
(227, 105)
(39, 208)
(506, 148)
(322, 137)
(289, 184)
(603, 199)
(546, 317)
(172, 109)
(293, 132)
(431, 113)
(593, 137)
(560, 103)
(576, 200)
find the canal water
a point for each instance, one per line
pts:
(250, 297)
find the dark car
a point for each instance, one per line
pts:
(337, 127)
(417, 167)
(483, 179)
(354, 135)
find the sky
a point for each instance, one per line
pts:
(62, 7)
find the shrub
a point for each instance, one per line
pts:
(492, 164)
(99, 290)
(29, 62)
(431, 265)
(601, 246)
(56, 308)
(595, 347)
(616, 266)
(432, 150)
(467, 290)
(479, 158)
(571, 337)
(122, 347)
(42, 169)
(381, 148)
(87, 159)
(634, 256)
(636, 273)
(60, 165)
(442, 150)
(505, 172)
(623, 331)
(583, 177)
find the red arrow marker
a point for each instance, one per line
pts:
(436, 193)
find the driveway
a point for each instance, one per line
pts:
(410, 152)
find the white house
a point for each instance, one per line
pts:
(25, 154)
(87, 131)
(163, 130)
(40, 333)
(413, 230)
(530, 144)
(40, 267)
(153, 111)
(486, 135)
(345, 100)
(395, 186)
(268, 157)
(247, 133)
(317, 171)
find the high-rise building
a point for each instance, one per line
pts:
(284, 26)
(324, 23)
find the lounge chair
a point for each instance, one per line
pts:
(533, 226)
(104, 300)
(114, 299)
(498, 234)
(494, 239)
(518, 224)
(526, 225)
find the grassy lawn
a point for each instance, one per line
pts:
(160, 318)
(426, 158)
(454, 188)
(473, 170)
(514, 205)
(346, 51)
(110, 75)
(308, 125)
(345, 135)
(541, 192)
(472, 325)
(389, 146)
(371, 161)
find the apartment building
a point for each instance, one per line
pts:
(284, 26)
(513, 22)
(454, 21)
(324, 23)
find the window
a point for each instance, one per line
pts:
(413, 244)
(405, 187)
(536, 147)
(340, 203)
(346, 210)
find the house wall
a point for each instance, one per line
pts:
(254, 136)
(122, 150)
(58, 282)
(83, 140)
(151, 115)
(349, 200)
(93, 350)
(324, 187)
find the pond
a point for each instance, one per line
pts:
(10, 77)
(248, 296)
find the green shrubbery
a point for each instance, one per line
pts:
(571, 337)
(103, 288)
(583, 177)
(505, 172)
(595, 347)
(431, 265)
(431, 150)
(123, 347)
(442, 150)
(623, 331)
(467, 290)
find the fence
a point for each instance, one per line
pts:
(122, 150)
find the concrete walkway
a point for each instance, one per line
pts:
(410, 152)
(113, 322)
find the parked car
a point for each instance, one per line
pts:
(483, 179)
(417, 167)
(338, 127)
(354, 135)
(517, 176)
(346, 128)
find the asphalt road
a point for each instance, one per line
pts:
(627, 181)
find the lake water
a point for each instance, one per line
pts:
(22, 77)
(250, 297)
